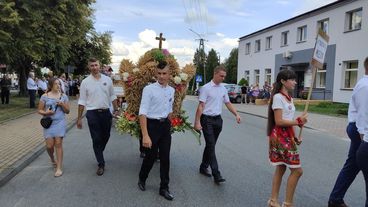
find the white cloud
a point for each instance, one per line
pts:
(220, 34)
(242, 14)
(308, 5)
(283, 2)
(232, 42)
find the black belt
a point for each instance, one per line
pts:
(158, 120)
(211, 117)
(100, 110)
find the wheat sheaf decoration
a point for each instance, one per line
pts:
(136, 76)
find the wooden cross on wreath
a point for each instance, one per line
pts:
(160, 39)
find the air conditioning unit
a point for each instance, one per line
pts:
(287, 54)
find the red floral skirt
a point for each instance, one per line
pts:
(283, 149)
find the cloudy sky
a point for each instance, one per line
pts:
(135, 24)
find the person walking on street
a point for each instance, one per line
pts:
(154, 118)
(208, 119)
(32, 88)
(358, 151)
(5, 84)
(96, 95)
(283, 151)
(55, 104)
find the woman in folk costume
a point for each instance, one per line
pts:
(283, 151)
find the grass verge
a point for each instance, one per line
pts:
(17, 106)
(326, 108)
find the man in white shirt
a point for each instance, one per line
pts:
(360, 97)
(208, 119)
(42, 86)
(357, 117)
(154, 113)
(32, 88)
(96, 95)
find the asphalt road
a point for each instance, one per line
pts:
(242, 153)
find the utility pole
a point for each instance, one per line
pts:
(202, 58)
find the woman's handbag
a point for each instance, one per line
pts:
(46, 122)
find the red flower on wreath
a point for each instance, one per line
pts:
(130, 117)
(176, 122)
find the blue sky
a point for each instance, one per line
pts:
(135, 24)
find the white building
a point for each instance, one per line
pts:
(289, 44)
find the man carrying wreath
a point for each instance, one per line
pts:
(154, 112)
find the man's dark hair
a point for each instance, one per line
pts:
(161, 64)
(366, 63)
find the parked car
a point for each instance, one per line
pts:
(234, 92)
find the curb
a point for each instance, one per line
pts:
(19, 165)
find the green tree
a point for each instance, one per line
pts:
(211, 62)
(199, 61)
(231, 65)
(48, 33)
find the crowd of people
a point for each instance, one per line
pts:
(97, 96)
(38, 86)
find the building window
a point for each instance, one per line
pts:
(353, 20)
(268, 43)
(256, 76)
(350, 74)
(247, 48)
(268, 75)
(284, 38)
(302, 34)
(257, 46)
(321, 78)
(323, 25)
(246, 75)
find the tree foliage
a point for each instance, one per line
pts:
(231, 65)
(51, 33)
(211, 62)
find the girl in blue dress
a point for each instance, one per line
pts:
(54, 104)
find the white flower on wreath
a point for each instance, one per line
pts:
(125, 76)
(135, 70)
(183, 76)
(177, 80)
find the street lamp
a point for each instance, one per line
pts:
(219, 58)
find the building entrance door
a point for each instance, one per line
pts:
(299, 84)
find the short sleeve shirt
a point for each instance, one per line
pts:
(213, 96)
(288, 109)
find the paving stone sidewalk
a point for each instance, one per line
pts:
(21, 141)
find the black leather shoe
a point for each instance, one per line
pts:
(218, 179)
(100, 170)
(205, 172)
(142, 155)
(142, 185)
(166, 194)
(330, 204)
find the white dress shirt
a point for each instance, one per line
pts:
(31, 85)
(42, 85)
(359, 102)
(157, 101)
(96, 93)
(213, 96)
(288, 109)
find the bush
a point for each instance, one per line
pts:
(242, 82)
